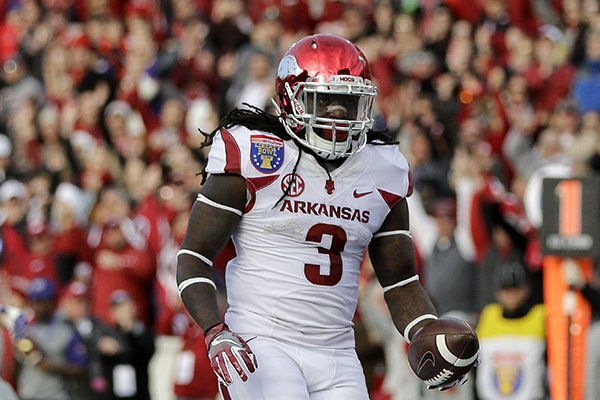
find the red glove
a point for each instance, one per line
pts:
(225, 349)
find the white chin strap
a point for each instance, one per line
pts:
(326, 148)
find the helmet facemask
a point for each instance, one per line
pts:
(336, 115)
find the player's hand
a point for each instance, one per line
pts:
(461, 380)
(227, 349)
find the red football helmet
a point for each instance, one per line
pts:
(324, 85)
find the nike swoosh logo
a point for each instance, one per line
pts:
(427, 357)
(358, 195)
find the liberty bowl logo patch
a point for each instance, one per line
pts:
(266, 153)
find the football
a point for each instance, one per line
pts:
(443, 351)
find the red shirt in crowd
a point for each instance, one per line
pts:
(129, 269)
(194, 378)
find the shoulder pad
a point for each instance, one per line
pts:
(390, 169)
(246, 152)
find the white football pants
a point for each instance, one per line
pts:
(291, 372)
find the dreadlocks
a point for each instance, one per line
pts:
(255, 118)
(252, 118)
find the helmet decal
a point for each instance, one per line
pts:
(295, 103)
(288, 66)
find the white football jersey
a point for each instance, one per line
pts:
(295, 276)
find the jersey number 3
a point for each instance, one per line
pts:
(338, 240)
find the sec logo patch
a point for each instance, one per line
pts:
(266, 153)
(295, 183)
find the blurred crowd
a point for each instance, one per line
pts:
(102, 105)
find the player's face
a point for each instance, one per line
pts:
(335, 107)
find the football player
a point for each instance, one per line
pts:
(302, 194)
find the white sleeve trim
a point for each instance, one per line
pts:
(208, 201)
(191, 281)
(415, 322)
(401, 283)
(392, 233)
(194, 254)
